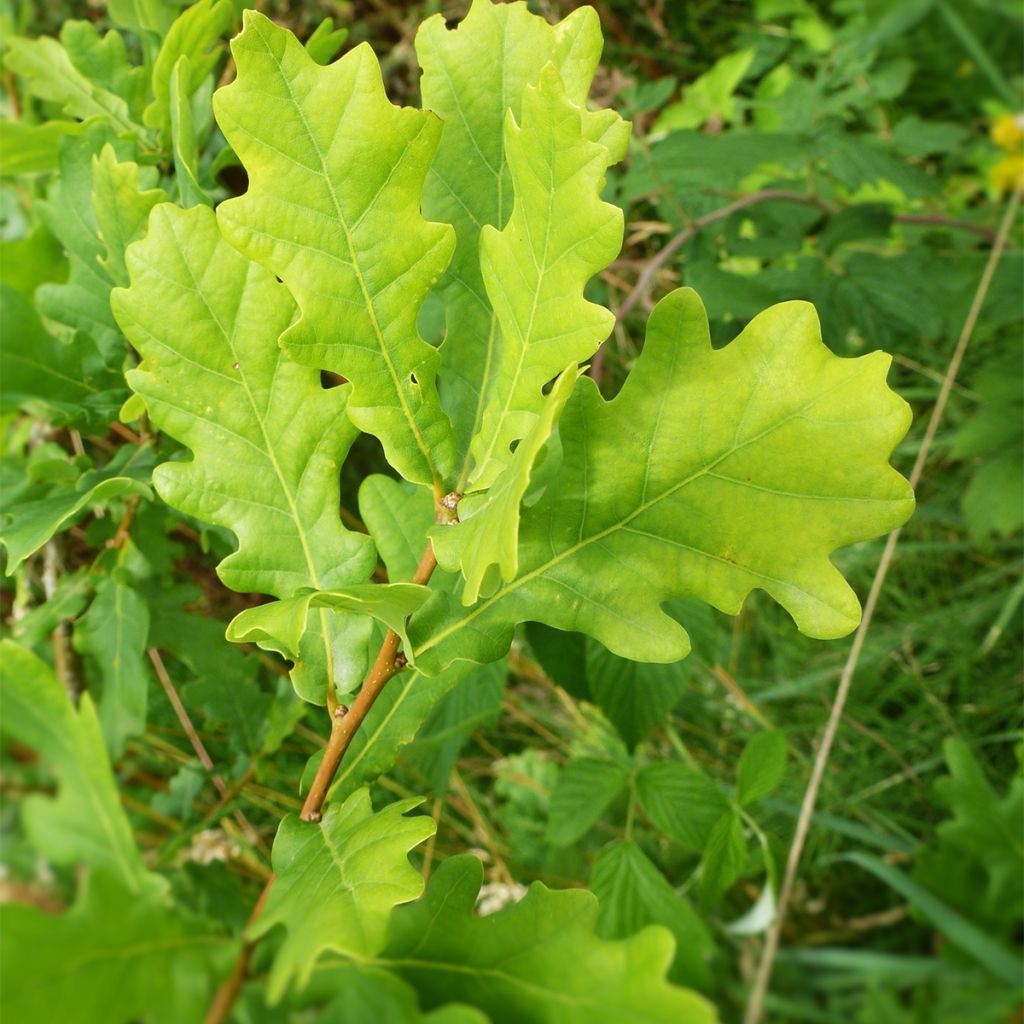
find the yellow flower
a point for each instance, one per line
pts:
(1008, 173)
(1007, 132)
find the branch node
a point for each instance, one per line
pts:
(400, 661)
(340, 712)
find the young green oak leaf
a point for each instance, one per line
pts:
(279, 626)
(333, 209)
(474, 78)
(536, 962)
(85, 825)
(337, 882)
(113, 957)
(267, 439)
(487, 538)
(712, 473)
(535, 268)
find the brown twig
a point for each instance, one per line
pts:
(759, 989)
(344, 723)
(197, 744)
(660, 258)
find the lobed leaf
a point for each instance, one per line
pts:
(474, 78)
(712, 473)
(335, 178)
(535, 961)
(267, 439)
(337, 882)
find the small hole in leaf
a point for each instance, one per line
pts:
(514, 445)
(412, 377)
(329, 380)
(278, 280)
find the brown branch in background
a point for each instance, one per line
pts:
(197, 744)
(759, 989)
(768, 195)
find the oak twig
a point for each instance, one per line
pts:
(762, 977)
(344, 723)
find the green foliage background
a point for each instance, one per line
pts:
(836, 152)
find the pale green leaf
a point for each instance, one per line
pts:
(333, 209)
(709, 96)
(681, 802)
(139, 16)
(535, 268)
(326, 41)
(398, 517)
(712, 473)
(121, 207)
(585, 788)
(267, 439)
(84, 824)
(52, 76)
(184, 142)
(279, 626)
(114, 957)
(761, 766)
(32, 148)
(535, 962)
(633, 893)
(337, 882)
(724, 857)
(194, 35)
(103, 60)
(474, 78)
(484, 545)
(95, 207)
(113, 631)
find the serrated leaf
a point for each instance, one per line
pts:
(724, 857)
(761, 766)
(337, 882)
(335, 176)
(267, 439)
(84, 824)
(633, 893)
(484, 545)
(113, 957)
(46, 510)
(535, 962)
(585, 788)
(634, 697)
(194, 35)
(473, 78)
(681, 802)
(279, 626)
(113, 631)
(103, 60)
(712, 473)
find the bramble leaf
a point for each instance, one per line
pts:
(335, 176)
(761, 766)
(682, 802)
(337, 882)
(632, 893)
(267, 439)
(536, 962)
(712, 473)
(474, 78)
(585, 788)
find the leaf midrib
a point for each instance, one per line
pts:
(479, 609)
